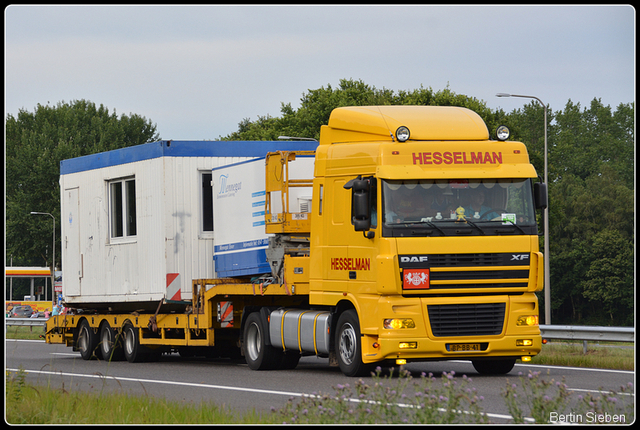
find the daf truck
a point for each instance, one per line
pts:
(405, 234)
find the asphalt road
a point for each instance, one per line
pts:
(233, 384)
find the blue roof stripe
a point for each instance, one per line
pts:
(181, 148)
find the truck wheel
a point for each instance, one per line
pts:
(131, 343)
(110, 343)
(257, 353)
(289, 360)
(348, 345)
(87, 341)
(494, 367)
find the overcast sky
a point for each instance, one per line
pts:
(197, 71)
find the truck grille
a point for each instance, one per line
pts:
(506, 271)
(475, 319)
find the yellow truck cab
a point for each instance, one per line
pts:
(424, 238)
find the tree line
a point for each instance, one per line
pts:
(590, 169)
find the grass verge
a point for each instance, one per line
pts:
(28, 404)
(390, 399)
(617, 356)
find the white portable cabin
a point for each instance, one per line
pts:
(239, 201)
(137, 222)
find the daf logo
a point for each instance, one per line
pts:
(414, 259)
(519, 257)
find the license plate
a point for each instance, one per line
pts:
(461, 347)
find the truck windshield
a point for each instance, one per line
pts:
(458, 206)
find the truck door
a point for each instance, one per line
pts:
(72, 258)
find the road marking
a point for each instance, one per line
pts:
(223, 387)
(590, 369)
(542, 366)
(152, 381)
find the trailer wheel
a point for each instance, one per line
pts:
(110, 343)
(131, 343)
(87, 341)
(494, 367)
(257, 353)
(348, 345)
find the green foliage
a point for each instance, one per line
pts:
(385, 401)
(597, 356)
(316, 106)
(591, 219)
(542, 401)
(538, 395)
(31, 404)
(36, 142)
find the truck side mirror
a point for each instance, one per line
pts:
(360, 202)
(540, 195)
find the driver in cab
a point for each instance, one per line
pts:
(477, 209)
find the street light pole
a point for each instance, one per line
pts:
(53, 264)
(547, 277)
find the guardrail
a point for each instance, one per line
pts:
(28, 322)
(592, 333)
(588, 333)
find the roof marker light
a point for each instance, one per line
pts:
(502, 133)
(402, 133)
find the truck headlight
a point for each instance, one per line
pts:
(402, 133)
(528, 320)
(502, 133)
(396, 323)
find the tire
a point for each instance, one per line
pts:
(110, 343)
(289, 360)
(349, 346)
(131, 344)
(258, 355)
(87, 341)
(494, 367)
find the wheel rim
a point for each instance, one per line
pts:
(348, 342)
(129, 341)
(106, 341)
(83, 340)
(254, 341)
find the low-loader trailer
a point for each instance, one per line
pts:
(404, 234)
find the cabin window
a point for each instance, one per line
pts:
(122, 201)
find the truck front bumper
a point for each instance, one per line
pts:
(409, 348)
(415, 338)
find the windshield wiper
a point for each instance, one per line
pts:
(430, 224)
(424, 221)
(515, 225)
(471, 223)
